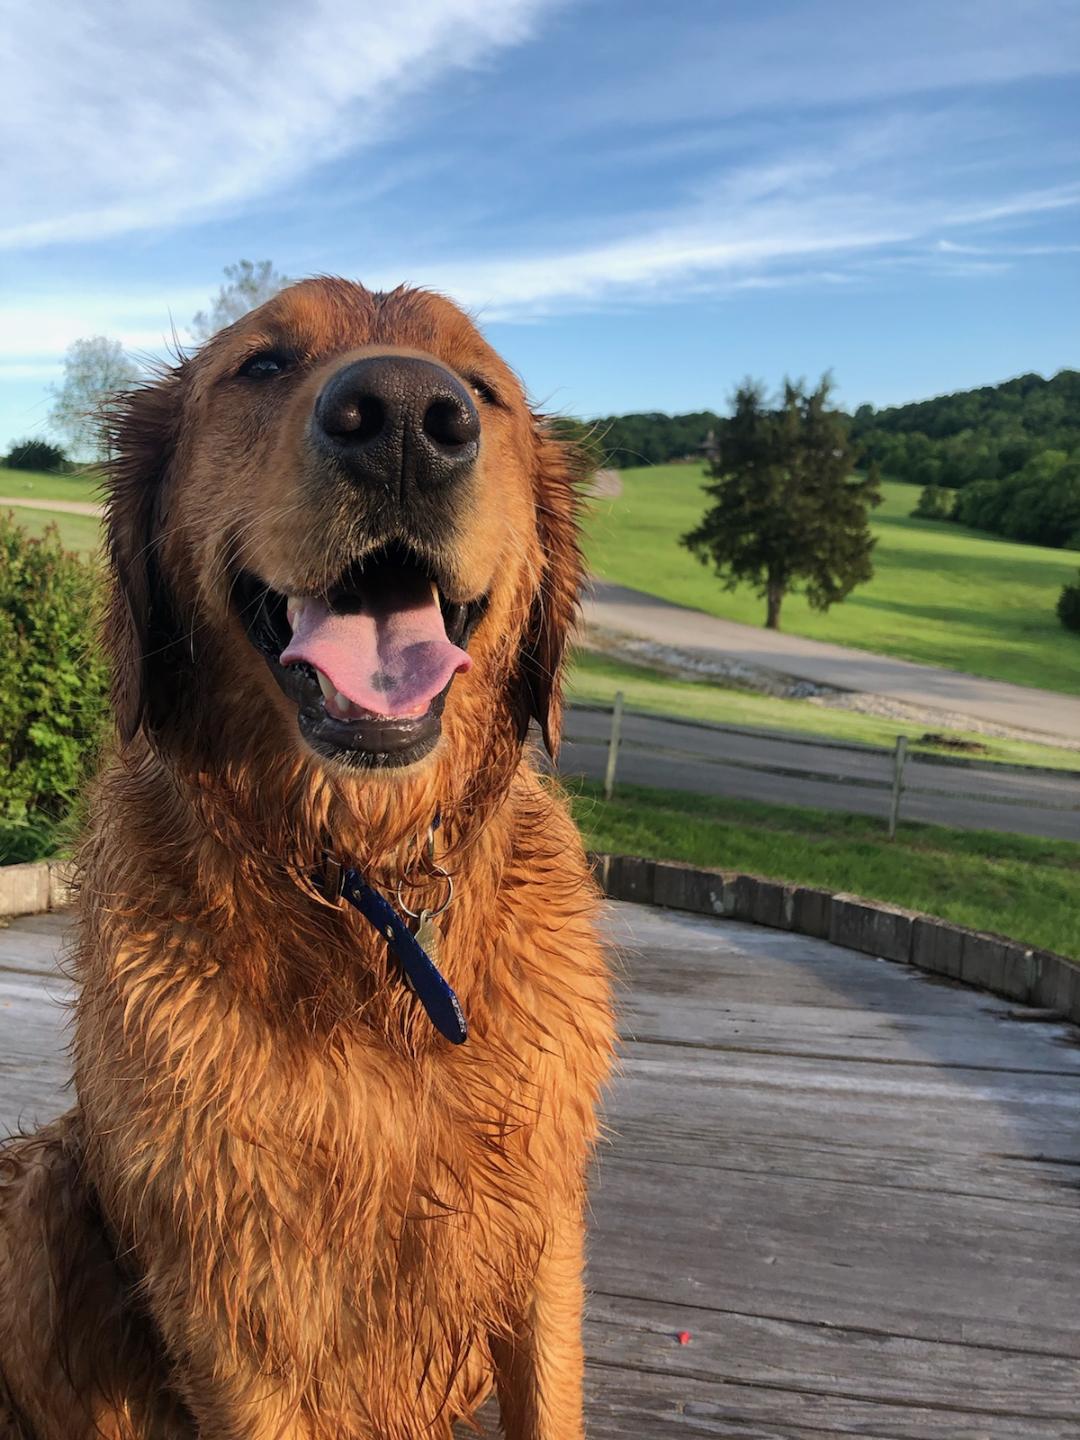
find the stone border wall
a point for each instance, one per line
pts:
(1005, 967)
(34, 888)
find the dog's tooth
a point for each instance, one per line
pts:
(435, 592)
(328, 688)
(341, 704)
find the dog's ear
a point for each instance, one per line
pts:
(140, 433)
(557, 479)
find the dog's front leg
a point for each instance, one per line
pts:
(539, 1369)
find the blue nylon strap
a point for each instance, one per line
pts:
(432, 990)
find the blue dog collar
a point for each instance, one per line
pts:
(417, 967)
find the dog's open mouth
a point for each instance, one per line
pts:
(369, 662)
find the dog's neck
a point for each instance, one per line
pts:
(227, 866)
(269, 826)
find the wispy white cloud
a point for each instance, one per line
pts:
(1018, 206)
(139, 115)
(661, 263)
(159, 114)
(796, 225)
(753, 232)
(950, 247)
(37, 329)
(29, 370)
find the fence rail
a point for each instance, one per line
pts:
(897, 776)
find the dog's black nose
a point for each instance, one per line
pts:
(396, 420)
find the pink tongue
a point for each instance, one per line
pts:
(391, 657)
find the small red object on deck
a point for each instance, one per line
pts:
(684, 1337)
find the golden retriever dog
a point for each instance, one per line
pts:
(288, 1202)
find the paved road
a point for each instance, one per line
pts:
(65, 507)
(680, 756)
(854, 1187)
(633, 612)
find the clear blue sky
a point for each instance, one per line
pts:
(642, 203)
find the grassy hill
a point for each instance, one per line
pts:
(78, 532)
(37, 485)
(941, 595)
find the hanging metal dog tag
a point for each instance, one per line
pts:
(427, 935)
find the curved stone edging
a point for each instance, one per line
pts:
(34, 887)
(1019, 972)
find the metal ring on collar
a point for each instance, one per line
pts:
(437, 874)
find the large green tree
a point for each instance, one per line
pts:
(787, 512)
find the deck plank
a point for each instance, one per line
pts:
(858, 1189)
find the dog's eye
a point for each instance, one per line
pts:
(482, 389)
(263, 365)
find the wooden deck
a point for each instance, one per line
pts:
(856, 1188)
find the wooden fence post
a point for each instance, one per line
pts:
(898, 783)
(613, 745)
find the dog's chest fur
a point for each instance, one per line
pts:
(331, 1211)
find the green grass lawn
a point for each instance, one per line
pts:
(595, 678)
(37, 485)
(77, 532)
(1010, 884)
(940, 594)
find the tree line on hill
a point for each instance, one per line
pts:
(653, 438)
(1003, 458)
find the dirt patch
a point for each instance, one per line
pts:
(605, 485)
(951, 742)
